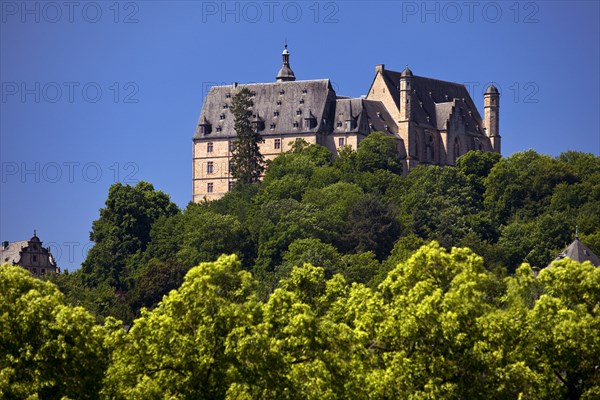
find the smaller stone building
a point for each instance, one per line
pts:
(29, 254)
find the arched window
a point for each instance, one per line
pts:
(417, 147)
(430, 154)
(456, 148)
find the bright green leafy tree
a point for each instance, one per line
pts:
(48, 350)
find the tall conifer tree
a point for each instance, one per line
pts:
(248, 162)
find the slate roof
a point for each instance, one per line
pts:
(367, 116)
(283, 108)
(577, 251)
(278, 104)
(12, 253)
(491, 89)
(435, 99)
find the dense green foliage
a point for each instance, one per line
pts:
(438, 326)
(322, 294)
(351, 215)
(47, 349)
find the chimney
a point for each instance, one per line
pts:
(4, 244)
(379, 68)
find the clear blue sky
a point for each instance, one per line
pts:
(98, 92)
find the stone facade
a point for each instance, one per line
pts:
(29, 254)
(433, 121)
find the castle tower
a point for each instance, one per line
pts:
(285, 73)
(491, 117)
(406, 95)
(405, 121)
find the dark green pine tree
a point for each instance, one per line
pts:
(248, 162)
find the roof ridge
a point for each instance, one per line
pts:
(271, 83)
(427, 78)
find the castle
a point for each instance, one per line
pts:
(434, 122)
(29, 254)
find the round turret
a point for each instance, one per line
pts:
(492, 89)
(406, 72)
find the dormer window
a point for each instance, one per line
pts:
(350, 124)
(205, 127)
(228, 95)
(272, 126)
(278, 102)
(222, 117)
(310, 121)
(371, 126)
(281, 92)
(298, 112)
(219, 129)
(225, 105)
(252, 93)
(339, 124)
(379, 114)
(304, 91)
(258, 123)
(387, 128)
(296, 124)
(276, 113)
(301, 101)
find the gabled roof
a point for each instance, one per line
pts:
(368, 116)
(579, 252)
(433, 100)
(379, 117)
(276, 103)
